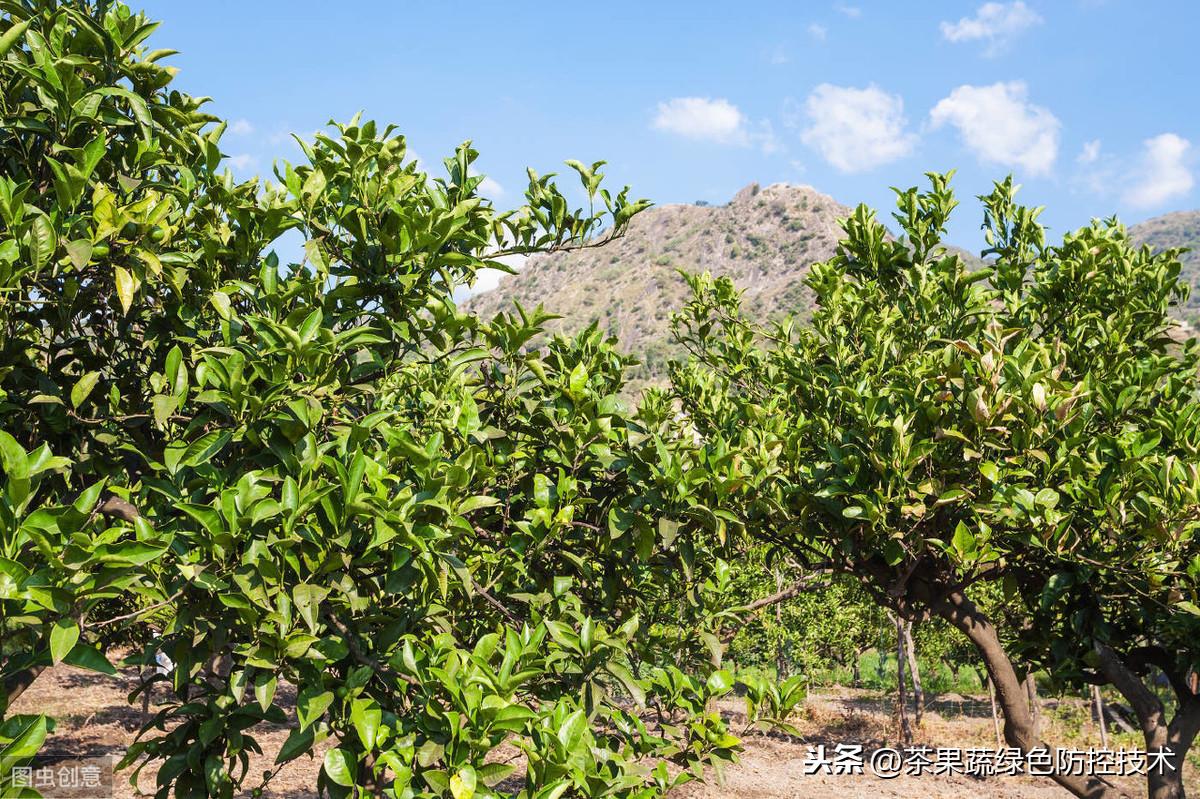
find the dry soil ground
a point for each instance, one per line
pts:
(94, 718)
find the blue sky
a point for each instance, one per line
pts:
(1092, 105)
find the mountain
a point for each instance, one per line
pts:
(764, 240)
(1180, 229)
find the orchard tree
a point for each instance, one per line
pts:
(322, 472)
(1030, 427)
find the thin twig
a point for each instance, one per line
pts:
(362, 657)
(136, 613)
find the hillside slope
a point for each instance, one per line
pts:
(764, 240)
(1179, 229)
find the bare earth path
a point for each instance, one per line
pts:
(94, 718)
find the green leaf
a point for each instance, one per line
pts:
(429, 753)
(297, 743)
(572, 730)
(720, 682)
(208, 516)
(80, 253)
(204, 448)
(366, 716)
(42, 241)
(26, 737)
(541, 490)
(1046, 497)
(220, 301)
(13, 458)
(176, 371)
(963, 541)
(492, 773)
(577, 382)
(85, 657)
(477, 502)
(164, 406)
(311, 704)
(83, 387)
(629, 681)
(462, 784)
(339, 768)
(264, 688)
(468, 357)
(1190, 607)
(1054, 588)
(63, 637)
(307, 599)
(314, 187)
(668, 531)
(126, 286)
(12, 36)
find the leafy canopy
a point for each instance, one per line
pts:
(1032, 426)
(322, 473)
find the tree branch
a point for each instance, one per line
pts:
(362, 657)
(126, 616)
(787, 593)
(1019, 728)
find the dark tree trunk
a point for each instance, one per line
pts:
(1019, 729)
(1176, 735)
(1098, 707)
(995, 715)
(1035, 706)
(906, 734)
(16, 684)
(781, 664)
(914, 671)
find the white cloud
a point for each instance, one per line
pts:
(778, 57)
(491, 188)
(1163, 173)
(818, 32)
(995, 23)
(242, 161)
(240, 127)
(1000, 126)
(1090, 152)
(856, 129)
(853, 12)
(714, 120)
(703, 119)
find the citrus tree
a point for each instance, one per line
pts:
(1029, 428)
(322, 473)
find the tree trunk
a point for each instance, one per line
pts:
(16, 684)
(781, 666)
(1035, 707)
(914, 671)
(906, 734)
(1098, 706)
(960, 612)
(995, 715)
(1176, 735)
